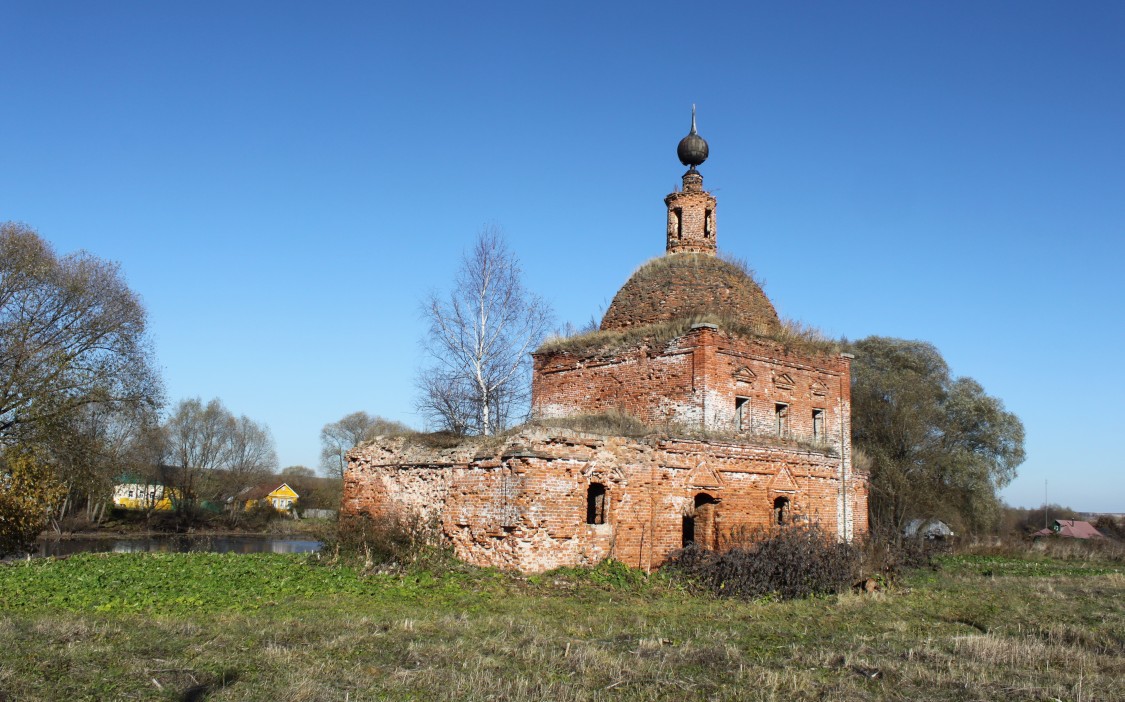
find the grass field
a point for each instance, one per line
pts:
(265, 627)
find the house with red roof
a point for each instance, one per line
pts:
(1071, 528)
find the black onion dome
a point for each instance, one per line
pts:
(693, 148)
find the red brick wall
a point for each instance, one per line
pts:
(522, 505)
(658, 386)
(694, 381)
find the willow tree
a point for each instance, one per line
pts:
(215, 454)
(939, 446)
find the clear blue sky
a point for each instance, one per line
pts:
(282, 182)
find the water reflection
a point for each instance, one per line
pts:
(176, 544)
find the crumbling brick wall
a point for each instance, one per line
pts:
(707, 379)
(523, 503)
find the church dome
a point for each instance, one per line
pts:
(691, 285)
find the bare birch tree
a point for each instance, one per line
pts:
(480, 337)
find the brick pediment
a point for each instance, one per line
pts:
(597, 472)
(783, 381)
(744, 375)
(783, 481)
(819, 388)
(703, 476)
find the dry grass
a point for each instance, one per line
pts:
(793, 337)
(622, 424)
(1051, 547)
(607, 423)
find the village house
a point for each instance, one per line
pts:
(1071, 529)
(281, 497)
(748, 426)
(131, 492)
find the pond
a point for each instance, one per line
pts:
(175, 543)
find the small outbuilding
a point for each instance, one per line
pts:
(928, 529)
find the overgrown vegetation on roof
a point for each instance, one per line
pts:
(608, 423)
(704, 262)
(793, 336)
(620, 424)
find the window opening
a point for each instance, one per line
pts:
(782, 411)
(707, 225)
(818, 424)
(781, 511)
(679, 222)
(742, 412)
(701, 526)
(595, 504)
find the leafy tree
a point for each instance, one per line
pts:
(339, 437)
(938, 446)
(479, 341)
(72, 335)
(28, 492)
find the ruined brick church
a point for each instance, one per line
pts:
(747, 426)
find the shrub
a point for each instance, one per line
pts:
(255, 518)
(390, 539)
(886, 559)
(790, 563)
(28, 491)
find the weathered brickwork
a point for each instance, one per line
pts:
(691, 285)
(691, 217)
(707, 379)
(775, 421)
(524, 504)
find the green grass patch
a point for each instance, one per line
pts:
(178, 583)
(262, 627)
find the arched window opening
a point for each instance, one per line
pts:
(699, 527)
(595, 504)
(781, 511)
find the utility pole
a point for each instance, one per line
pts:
(1045, 525)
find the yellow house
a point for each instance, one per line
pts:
(140, 495)
(282, 498)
